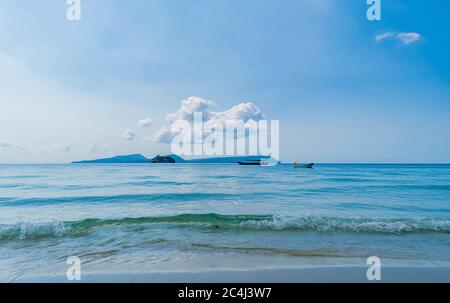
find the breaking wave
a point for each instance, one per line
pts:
(244, 223)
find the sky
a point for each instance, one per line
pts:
(345, 89)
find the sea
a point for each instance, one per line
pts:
(144, 218)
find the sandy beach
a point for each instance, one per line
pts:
(333, 274)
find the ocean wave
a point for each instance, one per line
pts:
(351, 224)
(429, 187)
(244, 223)
(25, 231)
(341, 179)
(21, 177)
(155, 183)
(168, 197)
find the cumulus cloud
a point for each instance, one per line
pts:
(164, 135)
(190, 106)
(147, 122)
(128, 135)
(404, 38)
(409, 38)
(243, 111)
(248, 113)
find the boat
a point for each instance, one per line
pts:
(308, 165)
(258, 162)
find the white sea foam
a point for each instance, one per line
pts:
(317, 223)
(353, 224)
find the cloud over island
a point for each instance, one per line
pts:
(247, 112)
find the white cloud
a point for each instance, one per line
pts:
(147, 122)
(190, 106)
(242, 111)
(22, 146)
(164, 135)
(5, 144)
(95, 147)
(409, 38)
(246, 112)
(64, 147)
(384, 36)
(128, 135)
(405, 38)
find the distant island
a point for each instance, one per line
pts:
(138, 158)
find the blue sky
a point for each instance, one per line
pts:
(70, 90)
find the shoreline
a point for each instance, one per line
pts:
(313, 274)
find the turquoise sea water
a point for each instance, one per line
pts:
(196, 217)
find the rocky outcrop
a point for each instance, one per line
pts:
(163, 159)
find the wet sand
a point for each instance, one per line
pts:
(333, 274)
